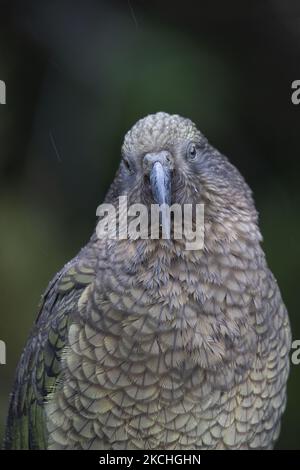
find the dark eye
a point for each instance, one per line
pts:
(192, 151)
(127, 165)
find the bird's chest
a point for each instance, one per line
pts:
(134, 389)
(136, 369)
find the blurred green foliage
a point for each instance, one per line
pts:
(79, 76)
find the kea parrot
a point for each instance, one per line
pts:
(140, 343)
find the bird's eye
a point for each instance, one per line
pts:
(127, 164)
(192, 151)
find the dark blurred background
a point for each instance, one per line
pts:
(79, 74)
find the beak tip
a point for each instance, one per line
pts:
(160, 180)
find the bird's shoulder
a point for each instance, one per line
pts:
(39, 367)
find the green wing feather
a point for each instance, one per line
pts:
(39, 367)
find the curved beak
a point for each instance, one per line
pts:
(160, 181)
(159, 171)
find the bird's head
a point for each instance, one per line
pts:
(166, 159)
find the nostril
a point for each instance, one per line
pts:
(163, 157)
(169, 161)
(147, 163)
